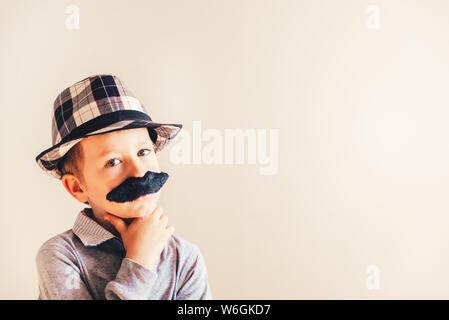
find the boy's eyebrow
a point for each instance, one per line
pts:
(105, 152)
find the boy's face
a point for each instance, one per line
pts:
(109, 159)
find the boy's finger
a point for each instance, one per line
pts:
(118, 223)
(157, 212)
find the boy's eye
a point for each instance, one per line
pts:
(144, 150)
(110, 163)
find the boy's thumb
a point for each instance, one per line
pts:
(118, 223)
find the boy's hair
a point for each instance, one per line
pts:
(72, 163)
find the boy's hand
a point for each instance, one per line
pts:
(145, 238)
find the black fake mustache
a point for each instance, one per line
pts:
(132, 188)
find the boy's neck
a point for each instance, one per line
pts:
(105, 224)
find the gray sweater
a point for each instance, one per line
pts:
(88, 262)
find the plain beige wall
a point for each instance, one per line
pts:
(358, 93)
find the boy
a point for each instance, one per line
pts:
(104, 146)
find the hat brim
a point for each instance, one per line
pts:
(48, 160)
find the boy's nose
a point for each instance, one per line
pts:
(137, 169)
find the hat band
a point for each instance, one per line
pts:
(105, 120)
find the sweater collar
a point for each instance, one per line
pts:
(89, 231)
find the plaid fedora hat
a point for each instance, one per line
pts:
(95, 105)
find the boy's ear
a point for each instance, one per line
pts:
(73, 186)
